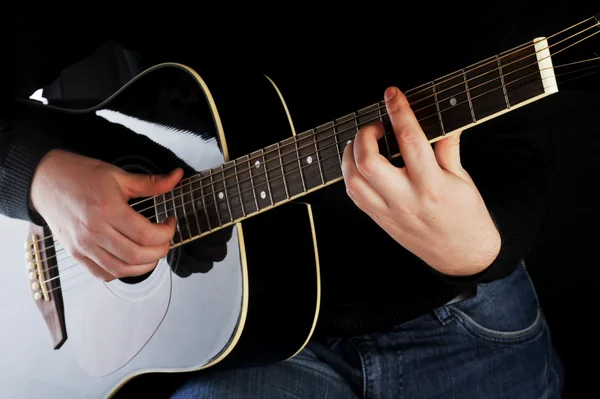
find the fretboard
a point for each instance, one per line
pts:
(286, 170)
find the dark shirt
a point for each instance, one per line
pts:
(376, 283)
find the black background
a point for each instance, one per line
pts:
(334, 59)
(346, 57)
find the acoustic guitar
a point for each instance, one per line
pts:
(229, 293)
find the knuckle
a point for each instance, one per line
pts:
(79, 241)
(87, 228)
(409, 135)
(145, 237)
(77, 255)
(135, 258)
(118, 272)
(165, 251)
(367, 166)
(104, 208)
(352, 192)
(434, 195)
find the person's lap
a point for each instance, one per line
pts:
(495, 345)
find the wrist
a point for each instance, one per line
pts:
(40, 177)
(476, 261)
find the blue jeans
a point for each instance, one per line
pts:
(493, 345)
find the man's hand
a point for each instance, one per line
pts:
(431, 205)
(84, 202)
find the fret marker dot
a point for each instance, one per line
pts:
(257, 164)
(263, 195)
(453, 101)
(309, 159)
(221, 195)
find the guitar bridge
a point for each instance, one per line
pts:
(42, 266)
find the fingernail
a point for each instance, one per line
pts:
(390, 93)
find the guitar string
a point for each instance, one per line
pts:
(281, 165)
(475, 77)
(512, 51)
(85, 272)
(314, 142)
(495, 60)
(64, 268)
(329, 125)
(226, 188)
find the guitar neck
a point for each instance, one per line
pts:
(301, 164)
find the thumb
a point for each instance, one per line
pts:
(447, 153)
(136, 185)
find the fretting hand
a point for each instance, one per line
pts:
(430, 206)
(84, 202)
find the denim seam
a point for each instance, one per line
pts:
(400, 359)
(358, 347)
(499, 336)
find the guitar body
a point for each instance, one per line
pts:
(228, 299)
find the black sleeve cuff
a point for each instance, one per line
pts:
(25, 148)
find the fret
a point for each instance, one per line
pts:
(292, 172)
(287, 193)
(502, 82)
(246, 185)
(180, 206)
(198, 214)
(299, 164)
(232, 190)
(345, 132)
(218, 182)
(318, 157)
(274, 172)
(211, 197)
(308, 160)
(201, 204)
(422, 102)
(454, 102)
(370, 115)
(327, 148)
(487, 93)
(469, 95)
(239, 191)
(170, 202)
(335, 137)
(388, 153)
(259, 178)
(437, 106)
(522, 75)
(160, 207)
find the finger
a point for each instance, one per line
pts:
(129, 251)
(116, 267)
(447, 153)
(388, 180)
(357, 187)
(141, 230)
(136, 185)
(415, 149)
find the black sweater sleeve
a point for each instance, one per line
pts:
(33, 56)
